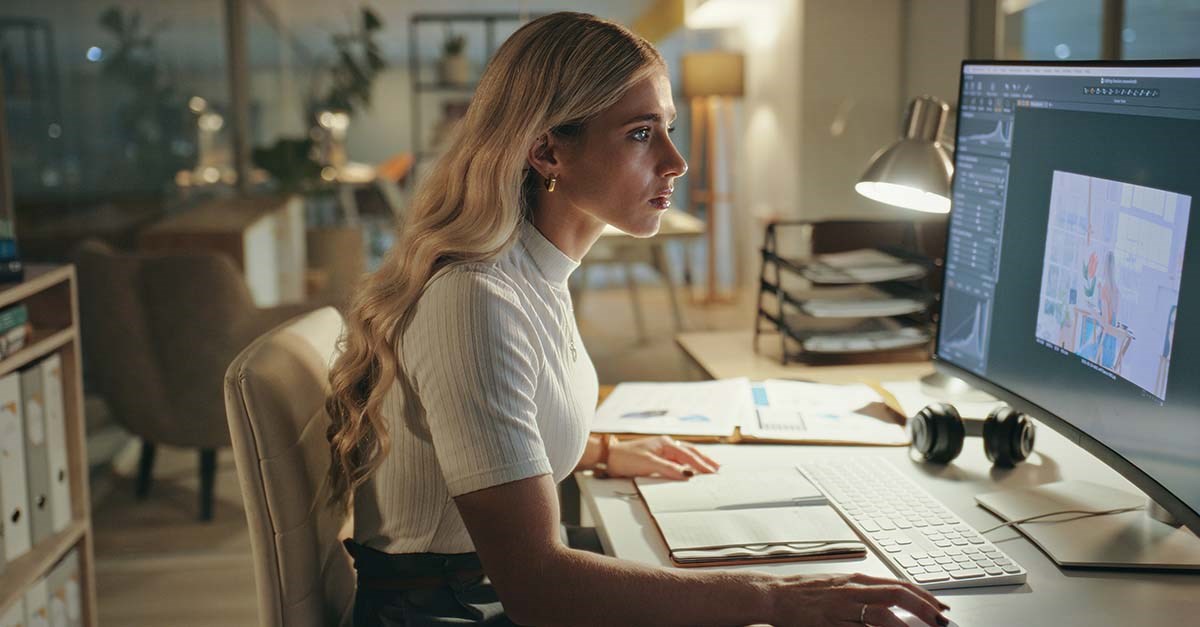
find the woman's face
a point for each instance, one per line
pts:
(622, 168)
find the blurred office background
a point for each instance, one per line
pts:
(299, 128)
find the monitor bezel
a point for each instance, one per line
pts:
(1180, 510)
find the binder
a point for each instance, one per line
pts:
(37, 461)
(63, 587)
(73, 590)
(13, 490)
(13, 615)
(35, 605)
(56, 441)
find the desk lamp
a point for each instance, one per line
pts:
(914, 173)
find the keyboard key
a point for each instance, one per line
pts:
(1011, 568)
(915, 570)
(931, 577)
(905, 561)
(962, 559)
(926, 562)
(969, 573)
(994, 571)
(893, 549)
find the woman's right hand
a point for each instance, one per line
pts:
(841, 599)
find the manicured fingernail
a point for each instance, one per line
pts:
(687, 472)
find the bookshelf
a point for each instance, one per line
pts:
(49, 292)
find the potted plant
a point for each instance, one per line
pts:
(454, 68)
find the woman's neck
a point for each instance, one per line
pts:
(570, 230)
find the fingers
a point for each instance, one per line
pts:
(881, 597)
(667, 468)
(687, 454)
(880, 616)
(918, 590)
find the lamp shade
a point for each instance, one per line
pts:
(712, 73)
(915, 172)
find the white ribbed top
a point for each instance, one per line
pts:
(500, 397)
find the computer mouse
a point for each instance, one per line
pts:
(911, 619)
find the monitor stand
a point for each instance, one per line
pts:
(1130, 540)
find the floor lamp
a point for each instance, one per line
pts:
(710, 80)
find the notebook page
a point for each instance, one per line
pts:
(704, 408)
(730, 489)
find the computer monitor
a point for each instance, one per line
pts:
(1072, 277)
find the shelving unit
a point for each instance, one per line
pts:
(491, 27)
(50, 294)
(823, 312)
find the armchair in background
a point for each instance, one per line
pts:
(158, 331)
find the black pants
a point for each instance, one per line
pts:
(384, 600)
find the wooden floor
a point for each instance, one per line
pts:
(157, 566)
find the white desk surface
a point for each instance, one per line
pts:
(1051, 596)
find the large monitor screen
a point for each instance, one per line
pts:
(1073, 259)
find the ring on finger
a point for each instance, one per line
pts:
(862, 615)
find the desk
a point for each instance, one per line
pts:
(615, 246)
(1050, 597)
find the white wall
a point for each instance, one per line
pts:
(827, 84)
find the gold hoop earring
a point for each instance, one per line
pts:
(551, 182)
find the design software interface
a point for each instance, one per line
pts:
(1069, 259)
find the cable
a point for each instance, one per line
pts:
(1082, 514)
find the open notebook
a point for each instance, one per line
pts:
(735, 410)
(746, 517)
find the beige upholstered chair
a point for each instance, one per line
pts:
(158, 332)
(275, 394)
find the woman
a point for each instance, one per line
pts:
(464, 392)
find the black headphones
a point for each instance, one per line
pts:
(937, 434)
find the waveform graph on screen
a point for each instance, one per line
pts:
(1111, 275)
(987, 134)
(964, 327)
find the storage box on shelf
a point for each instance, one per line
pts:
(837, 300)
(47, 571)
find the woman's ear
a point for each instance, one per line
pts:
(543, 155)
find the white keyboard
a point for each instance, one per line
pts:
(919, 538)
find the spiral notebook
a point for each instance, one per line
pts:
(746, 516)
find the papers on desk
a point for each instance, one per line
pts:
(732, 410)
(746, 516)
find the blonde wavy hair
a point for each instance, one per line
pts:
(553, 75)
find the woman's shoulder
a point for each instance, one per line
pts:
(477, 285)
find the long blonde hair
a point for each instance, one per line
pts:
(551, 76)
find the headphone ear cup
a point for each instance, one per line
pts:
(937, 433)
(1007, 437)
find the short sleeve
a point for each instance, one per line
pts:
(470, 353)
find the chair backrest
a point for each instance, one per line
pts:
(275, 394)
(118, 350)
(201, 315)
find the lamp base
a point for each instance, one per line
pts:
(949, 388)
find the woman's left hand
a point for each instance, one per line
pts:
(661, 455)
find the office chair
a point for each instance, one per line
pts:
(275, 400)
